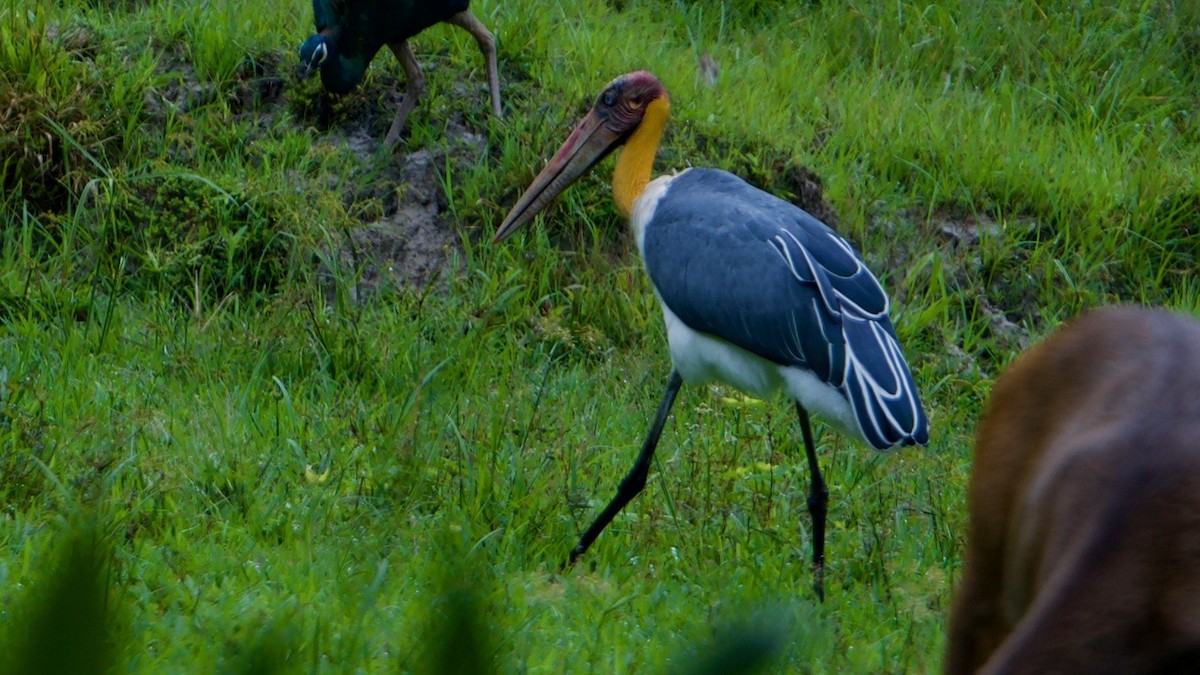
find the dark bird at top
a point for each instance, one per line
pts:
(350, 33)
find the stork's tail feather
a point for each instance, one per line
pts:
(879, 385)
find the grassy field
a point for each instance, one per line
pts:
(279, 437)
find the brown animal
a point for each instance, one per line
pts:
(1083, 553)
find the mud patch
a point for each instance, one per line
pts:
(804, 188)
(403, 240)
(411, 244)
(977, 267)
(1006, 291)
(78, 40)
(965, 232)
(257, 89)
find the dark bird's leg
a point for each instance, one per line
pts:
(635, 481)
(818, 500)
(487, 45)
(416, 85)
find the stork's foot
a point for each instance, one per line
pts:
(579, 550)
(573, 559)
(634, 481)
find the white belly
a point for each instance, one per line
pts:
(702, 358)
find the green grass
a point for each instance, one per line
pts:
(275, 464)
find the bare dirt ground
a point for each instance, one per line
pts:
(413, 244)
(408, 240)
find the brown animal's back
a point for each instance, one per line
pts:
(1088, 453)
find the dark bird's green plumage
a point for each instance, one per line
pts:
(351, 32)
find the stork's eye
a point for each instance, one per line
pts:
(608, 98)
(320, 53)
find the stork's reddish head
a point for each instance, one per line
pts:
(616, 115)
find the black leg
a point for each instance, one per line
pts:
(818, 500)
(635, 481)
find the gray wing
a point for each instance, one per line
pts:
(738, 263)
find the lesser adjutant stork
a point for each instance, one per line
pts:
(755, 292)
(350, 33)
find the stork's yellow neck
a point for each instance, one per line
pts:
(637, 158)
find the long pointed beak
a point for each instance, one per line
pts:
(303, 72)
(588, 144)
